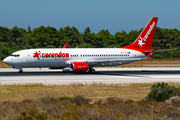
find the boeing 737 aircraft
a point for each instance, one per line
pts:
(85, 59)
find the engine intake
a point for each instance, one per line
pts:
(79, 66)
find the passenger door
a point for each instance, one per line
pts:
(28, 57)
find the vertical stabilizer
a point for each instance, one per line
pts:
(145, 39)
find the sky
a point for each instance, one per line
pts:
(113, 15)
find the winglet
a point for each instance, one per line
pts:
(150, 54)
(65, 45)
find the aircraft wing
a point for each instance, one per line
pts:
(101, 62)
(165, 50)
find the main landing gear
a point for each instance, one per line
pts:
(91, 70)
(20, 71)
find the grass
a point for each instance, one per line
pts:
(83, 101)
(95, 91)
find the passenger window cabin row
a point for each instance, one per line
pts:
(101, 55)
(90, 55)
(52, 56)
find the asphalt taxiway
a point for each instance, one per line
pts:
(102, 75)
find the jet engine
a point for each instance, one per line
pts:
(79, 66)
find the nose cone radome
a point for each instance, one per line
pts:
(6, 60)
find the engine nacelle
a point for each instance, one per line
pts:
(79, 66)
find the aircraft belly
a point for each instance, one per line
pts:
(51, 63)
(42, 63)
(126, 62)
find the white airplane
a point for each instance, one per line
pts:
(85, 59)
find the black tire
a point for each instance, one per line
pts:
(92, 71)
(20, 71)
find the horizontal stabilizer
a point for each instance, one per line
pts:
(151, 53)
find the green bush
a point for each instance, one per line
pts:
(64, 98)
(161, 92)
(157, 56)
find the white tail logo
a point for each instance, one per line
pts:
(141, 42)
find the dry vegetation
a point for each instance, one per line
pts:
(3, 65)
(97, 101)
(95, 91)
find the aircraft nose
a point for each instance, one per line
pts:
(6, 60)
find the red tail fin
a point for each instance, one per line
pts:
(65, 45)
(145, 39)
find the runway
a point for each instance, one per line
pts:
(102, 75)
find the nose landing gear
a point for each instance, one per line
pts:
(19, 68)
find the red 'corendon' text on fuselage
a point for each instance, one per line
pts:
(51, 55)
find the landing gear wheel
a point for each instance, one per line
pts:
(91, 70)
(20, 71)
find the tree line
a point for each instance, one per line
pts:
(49, 37)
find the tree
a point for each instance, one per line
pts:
(19, 38)
(4, 34)
(29, 29)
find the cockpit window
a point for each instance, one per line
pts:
(16, 55)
